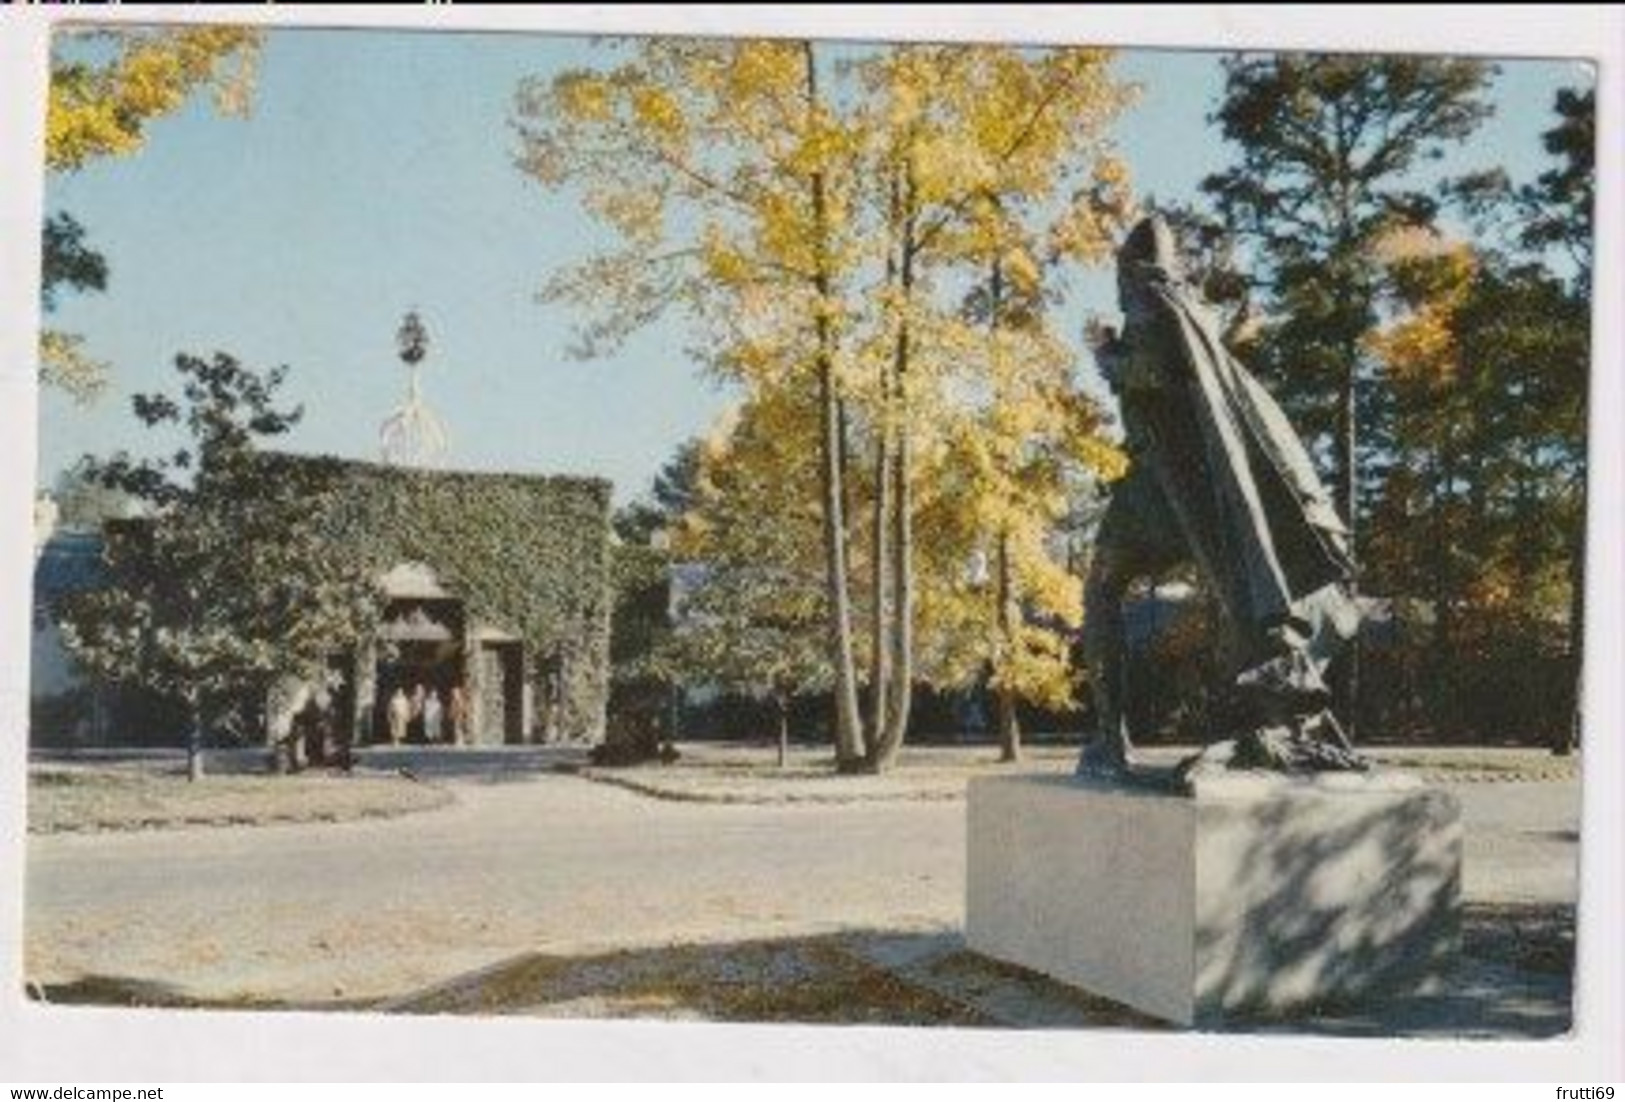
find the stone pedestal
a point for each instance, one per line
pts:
(1257, 895)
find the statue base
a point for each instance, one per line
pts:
(1253, 895)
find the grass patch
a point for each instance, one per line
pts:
(749, 773)
(83, 798)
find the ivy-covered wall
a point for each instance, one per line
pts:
(527, 554)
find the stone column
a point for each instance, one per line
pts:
(470, 720)
(476, 691)
(528, 728)
(366, 688)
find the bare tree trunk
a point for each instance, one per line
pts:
(1008, 614)
(880, 644)
(843, 442)
(1346, 444)
(881, 597)
(1009, 727)
(1441, 655)
(1566, 739)
(1348, 502)
(889, 740)
(902, 620)
(194, 739)
(848, 720)
(1009, 721)
(784, 729)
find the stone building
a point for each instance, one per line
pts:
(65, 707)
(494, 583)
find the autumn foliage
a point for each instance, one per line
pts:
(865, 243)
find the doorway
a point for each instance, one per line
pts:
(499, 713)
(421, 657)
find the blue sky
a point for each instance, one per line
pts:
(375, 176)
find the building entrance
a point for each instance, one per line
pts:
(421, 657)
(499, 704)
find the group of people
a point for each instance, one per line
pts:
(426, 716)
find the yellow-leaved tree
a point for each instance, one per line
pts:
(1476, 510)
(813, 212)
(1434, 425)
(993, 168)
(727, 179)
(107, 85)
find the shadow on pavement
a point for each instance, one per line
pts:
(1514, 980)
(866, 978)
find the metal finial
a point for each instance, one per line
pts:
(412, 436)
(412, 339)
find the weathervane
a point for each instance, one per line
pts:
(412, 436)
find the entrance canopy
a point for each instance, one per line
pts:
(412, 581)
(416, 626)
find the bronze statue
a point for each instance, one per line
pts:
(1217, 478)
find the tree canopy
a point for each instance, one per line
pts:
(1326, 147)
(817, 221)
(229, 581)
(1444, 379)
(107, 86)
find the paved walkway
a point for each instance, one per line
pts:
(547, 863)
(527, 864)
